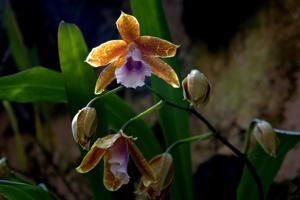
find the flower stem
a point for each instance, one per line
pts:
(219, 137)
(104, 95)
(151, 109)
(189, 139)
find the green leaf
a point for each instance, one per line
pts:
(17, 190)
(266, 167)
(174, 122)
(17, 46)
(33, 85)
(80, 81)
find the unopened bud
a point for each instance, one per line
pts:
(84, 126)
(266, 137)
(4, 170)
(162, 167)
(196, 88)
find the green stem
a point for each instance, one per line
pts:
(104, 95)
(190, 139)
(153, 108)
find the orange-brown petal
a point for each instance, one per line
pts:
(162, 70)
(128, 27)
(107, 76)
(107, 52)
(91, 159)
(140, 162)
(109, 180)
(107, 141)
(153, 46)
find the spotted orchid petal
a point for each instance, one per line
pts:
(91, 159)
(107, 76)
(162, 70)
(107, 52)
(153, 46)
(128, 27)
(107, 141)
(110, 181)
(140, 162)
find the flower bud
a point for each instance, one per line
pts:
(196, 88)
(266, 137)
(162, 167)
(4, 170)
(84, 126)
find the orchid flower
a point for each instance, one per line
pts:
(133, 58)
(115, 150)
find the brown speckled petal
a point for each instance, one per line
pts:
(162, 70)
(140, 162)
(107, 52)
(107, 76)
(91, 159)
(107, 141)
(128, 27)
(153, 46)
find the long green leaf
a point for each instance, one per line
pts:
(17, 190)
(80, 82)
(33, 85)
(266, 167)
(17, 46)
(174, 122)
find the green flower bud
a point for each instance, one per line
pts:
(266, 137)
(4, 170)
(84, 126)
(196, 88)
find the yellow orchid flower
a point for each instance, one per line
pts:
(133, 58)
(115, 149)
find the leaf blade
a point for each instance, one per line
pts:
(266, 167)
(37, 84)
(17, 47)
(15, 191)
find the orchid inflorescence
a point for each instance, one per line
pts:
(130, 61)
